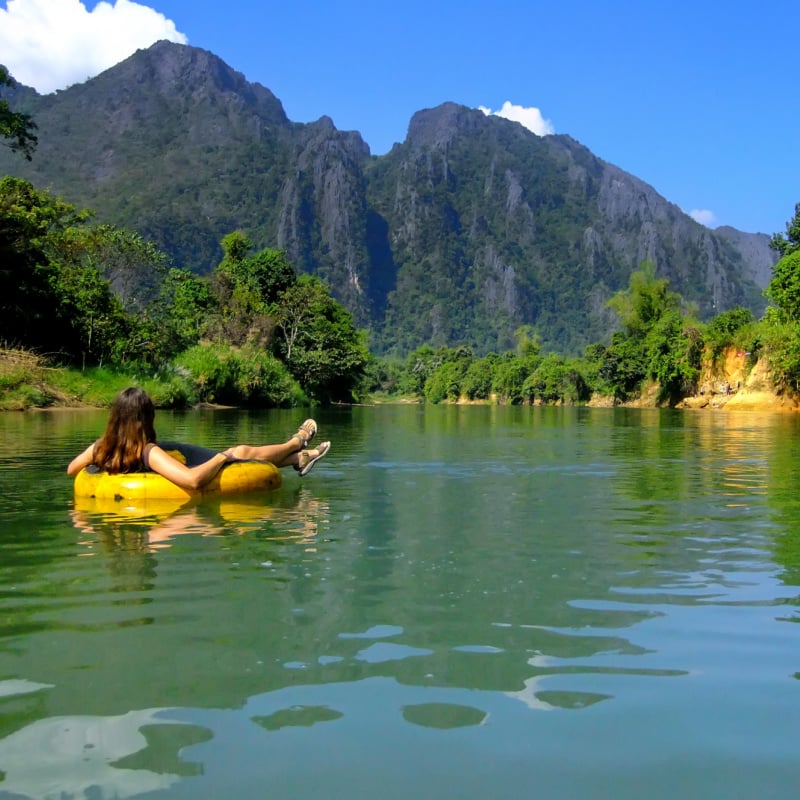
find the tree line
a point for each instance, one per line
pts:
(256, 332)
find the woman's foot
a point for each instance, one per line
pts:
(307, 458)
(305, 433)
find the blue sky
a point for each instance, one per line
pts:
(695, 97)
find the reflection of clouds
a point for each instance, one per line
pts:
(120, 756)
(73, 757)
(94, 756)
(14, 687)
(529, 695)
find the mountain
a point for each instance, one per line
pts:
(470, 228)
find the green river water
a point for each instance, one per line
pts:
(458, 602)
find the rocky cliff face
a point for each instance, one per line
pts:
(529, 230)
(470, 228)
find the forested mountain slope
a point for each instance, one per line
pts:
(470, 228)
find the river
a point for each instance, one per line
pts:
(462, 602)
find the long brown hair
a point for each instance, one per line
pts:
(129, 430)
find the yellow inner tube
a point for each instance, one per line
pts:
(237, 477)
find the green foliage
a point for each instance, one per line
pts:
(784, 288)
(188, 303)
(557, 380)
(732, 328)
(246, 290)
(788, 243)
(136, 268)
(16, 127)
(623, 367)
(32, 226)
(656, 341)
(527, 341)
(721, 330)
(445, 382)
(262, 380)
(211, 372)
(674, 352)
(420, 364)
(235, 245)
(510, 376)
(321, 346)
(644, 302)
(224, 374)
(383, 376)
(94, 325)
(479, 377)
(780, 343)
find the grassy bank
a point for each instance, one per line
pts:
(26, 381)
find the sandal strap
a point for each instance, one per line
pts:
(306, 432)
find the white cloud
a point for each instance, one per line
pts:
(530, 118)
(703, 216)
(51, 44)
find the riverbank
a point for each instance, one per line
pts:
(731, 383)
(734, 387)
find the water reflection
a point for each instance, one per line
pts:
(154, 749)
(77, 756)
(451, 608)
(148, 526)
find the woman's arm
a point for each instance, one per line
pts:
(186, 477)
(81, 461)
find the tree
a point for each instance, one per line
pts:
(33, 224)
(674, 349)
(788, 243)
(624, 366)
(645, 301)
(477, 381)
(246, 288)
(135, 267)
(510, 375)
(322, 348)
(784, 288)
(17, 127)
(420, 364)
(189, 303)
(91, 322)
(133, 273)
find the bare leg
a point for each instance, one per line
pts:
(281, 455)
(288, 454)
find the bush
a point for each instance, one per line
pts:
(723, 331)
(780, 343)
(250, 376)
(264, 381)
(444, 384)
(211, 372)
(477, 381)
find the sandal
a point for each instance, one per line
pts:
(306, 433)
(306, 461)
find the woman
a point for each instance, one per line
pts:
(129, 445)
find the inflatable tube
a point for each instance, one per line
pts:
(238, 477)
